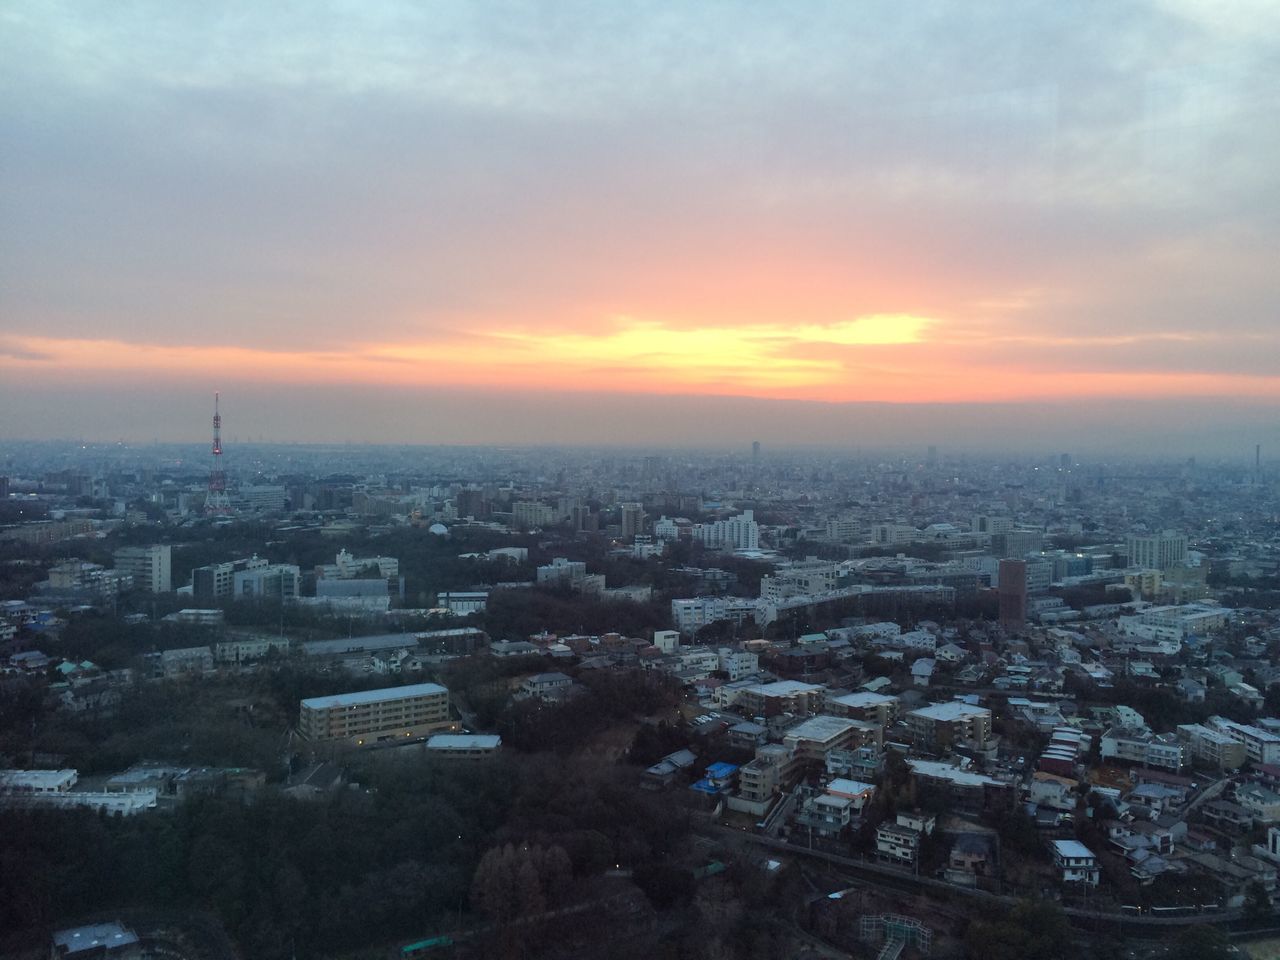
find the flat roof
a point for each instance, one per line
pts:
(848, 787)
(945, 771)
(374, 696)
(823, 728)
(865, 699)
(955, 710)
(464, 741)
(109, 935)
(33, 778)
(783, 688)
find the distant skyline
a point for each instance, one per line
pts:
(1042, 224)
(359, 414)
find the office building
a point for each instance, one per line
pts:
(150, 566)
(632, 519)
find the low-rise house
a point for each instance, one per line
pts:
(1054, 792)
(546, 686)
(666, 770)
(1076, 862)
(972, 858)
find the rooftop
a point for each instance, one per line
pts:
(374, 696)
(1072, 849)
(946, 712)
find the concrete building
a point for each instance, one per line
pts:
(691, 615)
(273, 581)
(1212, 748)
(871, 707)
(150, 567)
(462, 603)
(940, 727)
(463, 746)
(736, 533)
(1261, 746)
(376, 716)
(1143, 747)
(1013, 594)
(1158, 551)
(782, 696)
(812, 739)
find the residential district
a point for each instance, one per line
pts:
(397, 702)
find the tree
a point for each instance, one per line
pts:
(665, 885)
(1200, 943)
(1257, 903)
(1032, 929)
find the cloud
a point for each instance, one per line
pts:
(491, 189)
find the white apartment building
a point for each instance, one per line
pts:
(736, 533)
(1142, 747)
(1158, 551)
(1261, 746)
(690, 615)
(738, 663)
(563, 570)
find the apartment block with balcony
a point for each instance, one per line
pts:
(373, 717)
(942, 726)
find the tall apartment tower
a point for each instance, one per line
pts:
(1012, 582)
(149, 566)
(632, 519)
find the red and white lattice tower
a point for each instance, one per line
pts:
(217, 501)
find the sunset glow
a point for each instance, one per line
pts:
(616, 203)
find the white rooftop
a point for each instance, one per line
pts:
(783, 688)
(36, 779)
(374, 696)
(464, 741)
(1072, 849)
(822, 728)
(954, 710)
(866, 699)
(945, 771)
(852, 788)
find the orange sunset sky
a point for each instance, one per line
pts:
(686, 216)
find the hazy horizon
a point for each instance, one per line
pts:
(344, 414)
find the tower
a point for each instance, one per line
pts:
(217, 502)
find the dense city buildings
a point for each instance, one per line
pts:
(790, 640)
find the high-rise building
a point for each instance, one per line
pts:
(1013, 594)
(1157, 551)
(150, 566)
(632, 519)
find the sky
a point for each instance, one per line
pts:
(583, 221)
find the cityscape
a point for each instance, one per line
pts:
(409, 700)
(564, 479)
